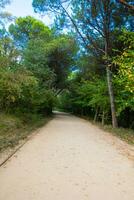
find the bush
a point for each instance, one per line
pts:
(20, 92)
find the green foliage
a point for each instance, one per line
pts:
(28, 28)
(20, 91)
(8, 52)
(61, 52)
(124, 79)
(15, 87)
(38, 63)
(85, 96)
(88, 93)
(36, 58)
(33, 65)
(50, 61)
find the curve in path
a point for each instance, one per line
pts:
(69, 159)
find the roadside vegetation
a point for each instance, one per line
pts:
(126, 134)
(123, 133)
(83, 64)
(34, 65)
(14, 129)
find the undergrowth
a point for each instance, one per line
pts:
(14, 128)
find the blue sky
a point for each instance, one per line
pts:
(23, 8)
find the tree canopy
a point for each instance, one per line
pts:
(83, 63)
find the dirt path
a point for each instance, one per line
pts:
(69, 159)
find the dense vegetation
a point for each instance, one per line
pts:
(83, 64)
(102, 85)
(34, 65)
(29, 71)
(88, 92)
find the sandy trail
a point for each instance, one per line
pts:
(69, 159)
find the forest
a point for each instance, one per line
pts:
(82, 64)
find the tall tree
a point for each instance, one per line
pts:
(91, 19)
(26, 28)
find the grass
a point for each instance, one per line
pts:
(14, 128)
(123, 133)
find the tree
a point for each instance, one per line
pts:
(91, 19)
(124, 79)
(50, 61)
(16, 87)
(35, 59)
(62, 51)
(25, 84)
(27, 28)
(8, 52)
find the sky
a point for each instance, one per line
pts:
(21, 8)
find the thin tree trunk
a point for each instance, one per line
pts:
(96, 114)
(103, 118)
(109, 79)
(111, 95)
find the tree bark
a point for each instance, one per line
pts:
(108, 71)
(111, 95)
(103, 118)
(96, 114)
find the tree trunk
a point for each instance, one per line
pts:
(103, 118)
(96, 114)
(111, 95)
(109, 78)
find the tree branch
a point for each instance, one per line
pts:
(75, 26)
(131, 7)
